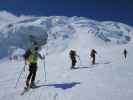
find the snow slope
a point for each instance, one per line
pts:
(57, 31)
(110, 79)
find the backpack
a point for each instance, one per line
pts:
(93, 52)
(125, 51)
(72, 53)
(27, 54)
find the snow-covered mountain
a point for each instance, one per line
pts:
(110, 78)
(57, 31)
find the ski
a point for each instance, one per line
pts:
(26, 89)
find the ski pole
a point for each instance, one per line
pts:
(44, 69)
(44, 63)
(99, 56)
(20, 76)
(79, 60)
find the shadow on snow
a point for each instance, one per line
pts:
(92, 66)
(63, 86)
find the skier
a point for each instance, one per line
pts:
(92, 55)
(125, 53)
(72, 54)
(31, 57)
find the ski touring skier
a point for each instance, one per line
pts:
(93, 56)
(73, 55)
(125, 53)
(31, 58)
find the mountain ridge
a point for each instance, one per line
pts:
(59, 30)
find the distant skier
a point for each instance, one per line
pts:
(31, 58)
(93, 56)
(72, 55)
(125, 53)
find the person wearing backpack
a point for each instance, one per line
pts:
(125, 53)
(31, 58)
(72, 55)
(93, 56)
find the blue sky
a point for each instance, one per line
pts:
(102, 10)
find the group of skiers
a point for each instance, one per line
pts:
(31, 57)
(93, 53)
(73, 56)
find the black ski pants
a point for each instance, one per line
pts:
(32, 73)
(73, 63)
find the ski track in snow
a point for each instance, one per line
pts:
(110, 78)
(107, 80)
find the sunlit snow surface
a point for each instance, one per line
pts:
(110, 79)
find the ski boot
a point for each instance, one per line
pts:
(33, 85)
